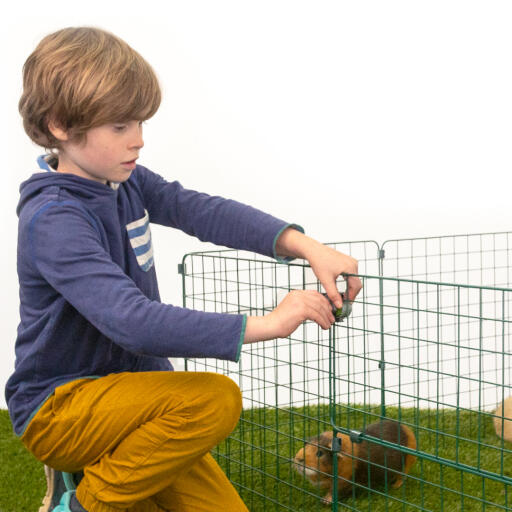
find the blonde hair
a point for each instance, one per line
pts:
(81, 78)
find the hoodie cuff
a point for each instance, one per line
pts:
(288, 258)
(242, 336)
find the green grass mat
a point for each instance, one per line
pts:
(257, 459)
(22, 481)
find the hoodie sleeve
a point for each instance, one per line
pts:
(67, 250)
(210, 218)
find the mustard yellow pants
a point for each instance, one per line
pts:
(142, 440)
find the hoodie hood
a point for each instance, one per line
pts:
(47, 178)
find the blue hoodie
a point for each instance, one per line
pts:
(89, 300)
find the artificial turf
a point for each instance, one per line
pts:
(22, 481)
(257, 458)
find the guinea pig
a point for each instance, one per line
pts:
(504, 411)
(366, 463)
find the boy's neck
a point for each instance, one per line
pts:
(53, 162)
(65, 165)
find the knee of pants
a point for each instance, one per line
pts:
(228, 399)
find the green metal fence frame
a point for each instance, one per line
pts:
(425, 456)
(380, 257)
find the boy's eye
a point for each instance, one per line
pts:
(124, 126)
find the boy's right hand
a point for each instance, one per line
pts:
(297, 307)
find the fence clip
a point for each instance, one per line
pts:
(336, 444)
(356, 436)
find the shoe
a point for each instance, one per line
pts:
(57, 483)
(69, 503)
(74, 504)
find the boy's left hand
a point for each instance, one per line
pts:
(326, 263)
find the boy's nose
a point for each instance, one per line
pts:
(137, 141)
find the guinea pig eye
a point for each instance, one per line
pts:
(319, 453)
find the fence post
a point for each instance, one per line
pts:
(382, 362)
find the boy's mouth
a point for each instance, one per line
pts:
(129, 163)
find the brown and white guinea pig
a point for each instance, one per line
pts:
(366, 463)
(504, 412)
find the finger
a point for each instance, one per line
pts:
(323, 315)
(354, 286)
(315, 307)
(333, 293)
(322, 319)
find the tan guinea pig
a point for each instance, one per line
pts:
(366, 463)
(504, 411)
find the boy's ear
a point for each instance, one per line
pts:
(57, 131)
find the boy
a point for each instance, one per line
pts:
(92, 392)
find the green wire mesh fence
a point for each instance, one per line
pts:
(427, 344)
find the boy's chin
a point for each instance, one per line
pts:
(124, 177)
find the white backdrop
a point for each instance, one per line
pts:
(358, 120)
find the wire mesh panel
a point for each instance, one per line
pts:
(284, 383)
(437, 358)
(483, 259)
(419, 347)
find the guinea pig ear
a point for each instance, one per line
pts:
(323, 445)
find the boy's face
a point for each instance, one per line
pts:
(107, 155)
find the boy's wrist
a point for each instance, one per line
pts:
(259, 328)
(293, 243)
